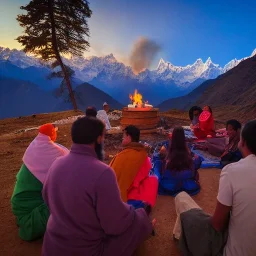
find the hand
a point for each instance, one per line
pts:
(153, 222)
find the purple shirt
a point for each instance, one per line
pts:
(88, 216)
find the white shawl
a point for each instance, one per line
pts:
(40, 155)
(103, 116)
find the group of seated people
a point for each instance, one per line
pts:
(81, 206)
(217, 144)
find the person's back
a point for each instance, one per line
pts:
(87, 214)
(237, 192)
(180, 172)
(27, 202)
(241, 177)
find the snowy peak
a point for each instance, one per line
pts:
(253, 53)
(108, 68)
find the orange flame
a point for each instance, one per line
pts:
(136, 98)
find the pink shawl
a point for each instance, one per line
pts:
(40, 155)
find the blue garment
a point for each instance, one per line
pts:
(173, 182)
(136, 203)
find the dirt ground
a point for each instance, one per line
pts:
(13, 143)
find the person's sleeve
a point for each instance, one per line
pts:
(225, 194)
(114, 215)
(143, 173)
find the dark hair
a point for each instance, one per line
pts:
(134, 132)
(234, 123)
(86, 130)
(91, 111)
(179, 158)
(191, 111)
(249, 136)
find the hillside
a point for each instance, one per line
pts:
(237, 87)
(22, 98)
(184, 102)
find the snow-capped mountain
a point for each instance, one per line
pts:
(118, 80)
(89, 68)
(19, 58)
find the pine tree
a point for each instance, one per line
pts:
(53, 28)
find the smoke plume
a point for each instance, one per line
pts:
(143, 53)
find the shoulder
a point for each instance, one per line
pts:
(107, 175)
(233, 167)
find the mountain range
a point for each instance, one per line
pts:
(117, 79)
(20, 98)
(25, 88)
(233, 93)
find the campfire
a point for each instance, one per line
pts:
(138, 102)
(140, 114)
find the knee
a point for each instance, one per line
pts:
(180, 197)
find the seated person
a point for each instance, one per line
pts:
(103, 115)
(229, 153)
(205, 128)
(91, 111)
(27, 202)
(180, 170)
(132, 167)
(231, 229)
(87, 215)
(194, 114)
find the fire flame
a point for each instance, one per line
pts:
(136, 98)
(137, 101)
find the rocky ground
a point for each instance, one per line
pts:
(16, 134)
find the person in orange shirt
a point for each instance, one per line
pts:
(132, 167)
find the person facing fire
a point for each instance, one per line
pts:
(132, 166)
(103, 115)
(27, 202)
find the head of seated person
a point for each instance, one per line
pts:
(233, 128)
(106, 107)
(91, 112)
(194, 114)
(131, 134)
(247, 144)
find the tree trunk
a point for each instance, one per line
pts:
(58, 57)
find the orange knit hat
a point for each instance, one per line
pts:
(49, 130)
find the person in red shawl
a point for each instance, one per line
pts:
(205, 128)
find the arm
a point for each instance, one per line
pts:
(221, 215)
(114, 215)
(142, 173)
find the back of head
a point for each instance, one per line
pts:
(236, 125)
(91, 111)
(178, 156)
(133, 132)
(249, 136)
(86, 130)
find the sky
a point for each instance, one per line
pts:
(186, 30)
